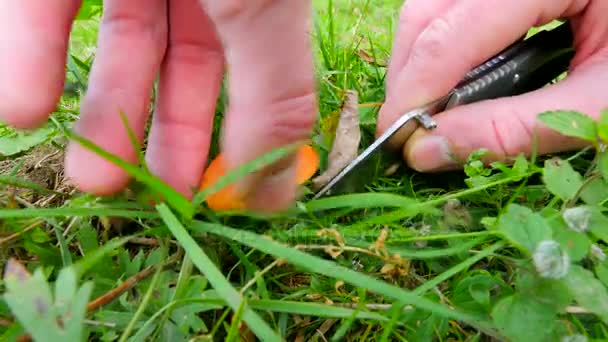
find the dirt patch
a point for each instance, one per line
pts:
(42, 168)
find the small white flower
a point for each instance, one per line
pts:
(597, 252)
(574, 338)
(550, 260)
(577, 218)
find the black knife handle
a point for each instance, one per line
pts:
(525, 66)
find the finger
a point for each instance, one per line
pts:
(453, 43)
(189, 84)
(271, 90)
(32, 58)
(509, 126)
(132, 39)
(415, 16)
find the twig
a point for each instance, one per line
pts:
(144, 241)
(125, 286)
(122, 288)
(5, 322)
(24, 230)
(99, 324)
(259, 274)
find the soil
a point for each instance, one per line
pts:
(43, 166)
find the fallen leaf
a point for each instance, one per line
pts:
(345, 146)
(365, 56)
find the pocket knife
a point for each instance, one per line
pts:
(524, 66)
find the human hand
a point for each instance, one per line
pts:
(265, 45)
(439, 41)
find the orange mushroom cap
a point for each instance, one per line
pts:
(307, 164)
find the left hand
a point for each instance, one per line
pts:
(187, 43)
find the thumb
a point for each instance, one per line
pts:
(507, 127)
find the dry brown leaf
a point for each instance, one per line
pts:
(333, 251)
(378, 246)
(324, 328)
(333, 232)
(365, 56)
(339, 284)
(346, 143)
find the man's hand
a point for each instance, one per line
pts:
(264, 43)
(439, 41)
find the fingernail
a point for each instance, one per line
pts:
(430, 153)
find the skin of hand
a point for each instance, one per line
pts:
(188, 44)
(439, 41)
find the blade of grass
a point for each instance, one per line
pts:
(273, 305)
(134, 143)
(458, 268)
(217, 280)
(361, 201)
(22, 183)
(421, 207)
(87, 262)
(331, 269)
(176, 200)
(234, 325)
(182, 282)
(142, 306)
(435, 253)
(84, 212)
(243, 170)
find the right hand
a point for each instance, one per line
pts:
(439, 41)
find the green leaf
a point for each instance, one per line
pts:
(551, 292)
(601, 271)
(215, 277)
(561, 179)
(367, 115)
(89, 260)
(598, 224)
(477, 290)
(570, 123)
(21, 141)
(460, 267)
(602, 164)
(31, 301)
(588, 291)
(523, 227)
(576, 244)
(596, 190)
(521, 318)
(602, 126)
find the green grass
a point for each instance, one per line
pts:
(461, 256)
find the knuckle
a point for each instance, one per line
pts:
(511, 135)
(229, 10)
(434, 41)
(195, 53)
(125, 22)
(293, 119)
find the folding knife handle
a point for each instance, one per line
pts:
(523, 67)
